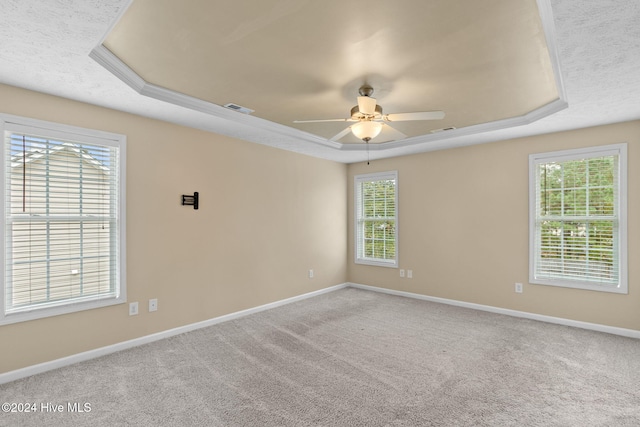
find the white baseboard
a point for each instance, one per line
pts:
(103, 351)
(631, 333)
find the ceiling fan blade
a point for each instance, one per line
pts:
(423, 115)
(367, 105)
(323, 120)
(342, 134)
(392, 133)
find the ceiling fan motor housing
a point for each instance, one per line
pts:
(365, 90)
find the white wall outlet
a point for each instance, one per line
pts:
(133, 309)
(153, 305)
(401, 272)
(519, 288)
(409, 274)
(310, 274)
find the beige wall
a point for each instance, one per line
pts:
(266, 216)
(463, 227)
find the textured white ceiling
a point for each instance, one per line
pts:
(45, 46)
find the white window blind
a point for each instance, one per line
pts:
(376, 202)
(578, 218)
(63, 230)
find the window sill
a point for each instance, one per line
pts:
(43, 312)
(588, 286)
(377, 262)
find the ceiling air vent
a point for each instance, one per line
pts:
(239, 108)
(443, 129)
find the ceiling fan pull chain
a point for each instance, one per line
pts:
(367, 142)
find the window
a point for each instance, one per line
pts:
(578, 218)
(63, 219)
(376, 201)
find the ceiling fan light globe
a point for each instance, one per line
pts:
(366, 129)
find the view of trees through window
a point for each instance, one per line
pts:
(577, 219)
(379, 219)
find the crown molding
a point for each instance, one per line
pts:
(533, 116)
(122, 71)
(271, 133)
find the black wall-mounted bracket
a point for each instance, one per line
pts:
(190, 200)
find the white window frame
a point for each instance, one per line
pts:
(576, 154)
(358, 234)
(62, 132)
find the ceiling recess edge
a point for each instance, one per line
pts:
(123, 72)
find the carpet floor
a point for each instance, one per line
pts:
(350, 358)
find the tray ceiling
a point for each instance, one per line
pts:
(480, 62)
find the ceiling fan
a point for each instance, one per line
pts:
(369, 119)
